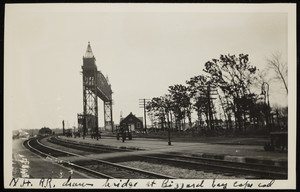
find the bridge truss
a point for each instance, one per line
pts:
(95, 86)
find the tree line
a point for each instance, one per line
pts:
(226, 96)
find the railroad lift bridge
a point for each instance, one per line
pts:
(95, 86)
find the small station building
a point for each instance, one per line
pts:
(132, 122)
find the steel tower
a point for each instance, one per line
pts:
(94, 85)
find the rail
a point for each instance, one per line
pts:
(140, 171)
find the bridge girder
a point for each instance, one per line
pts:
(95, 86)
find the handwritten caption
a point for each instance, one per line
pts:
(131, 183)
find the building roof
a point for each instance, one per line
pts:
(89, 52)
(130, 119)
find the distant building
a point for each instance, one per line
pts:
(134, 123)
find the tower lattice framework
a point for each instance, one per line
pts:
(94, 85)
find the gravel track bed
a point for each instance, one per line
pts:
(117, 172)
(179, 173)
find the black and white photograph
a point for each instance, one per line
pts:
(150, 96)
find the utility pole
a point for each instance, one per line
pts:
(209, 91)
(169, 135)
(143, 105)
(265, 91)
(63, 124)
(209, 108)
(121, 116)
(74, 128)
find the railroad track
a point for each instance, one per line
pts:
(93, 167)
(251, 170)
(258, 171)
(85, 146)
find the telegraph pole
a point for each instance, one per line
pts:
(265, 91)
(143, 105)
(63, 124)
(209, 108)
(209, 91)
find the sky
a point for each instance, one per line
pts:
(142, 49)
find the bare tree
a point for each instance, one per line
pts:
(234, 75)
(280, 68)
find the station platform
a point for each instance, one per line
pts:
(225, 149)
